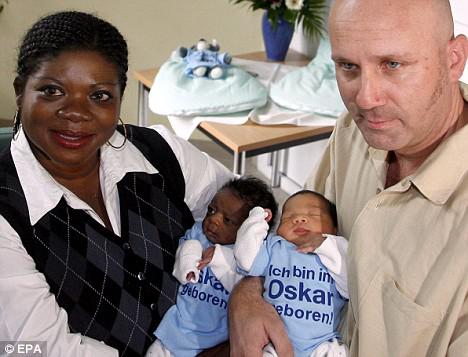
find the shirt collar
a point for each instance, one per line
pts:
(42, 192)
(439, 175)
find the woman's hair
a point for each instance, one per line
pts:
(254, 192)
(70, 30)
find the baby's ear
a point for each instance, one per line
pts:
(268, 214)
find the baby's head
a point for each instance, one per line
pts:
(305, 212)
(231, 205)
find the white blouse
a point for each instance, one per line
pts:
(28, 311)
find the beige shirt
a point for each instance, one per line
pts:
(408, 245)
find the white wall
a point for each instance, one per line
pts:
(460, 18)
(152, 28)
(299, 162)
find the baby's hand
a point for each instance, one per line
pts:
(187, 257)
(255, 226)
(191, 277)
(207, 256)
(314, 241)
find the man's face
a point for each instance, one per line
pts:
(392, 73)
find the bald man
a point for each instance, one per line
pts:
(397, 168)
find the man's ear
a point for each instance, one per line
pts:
(19, 89)
(457, 56)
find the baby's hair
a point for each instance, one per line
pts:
(71, 30)
(254, 192)
(331, 206)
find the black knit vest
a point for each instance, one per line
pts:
(114, 289)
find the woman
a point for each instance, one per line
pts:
(90, 216)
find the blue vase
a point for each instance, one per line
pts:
(276, 39)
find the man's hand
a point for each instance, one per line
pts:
(253, 322)
(311, 242)
(207, 256)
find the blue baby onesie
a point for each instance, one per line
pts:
(299, 286)
(199, 319)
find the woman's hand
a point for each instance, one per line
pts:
(253, 322)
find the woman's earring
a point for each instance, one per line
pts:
(125, 137)
(16, 124)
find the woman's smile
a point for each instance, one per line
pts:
(71, 140)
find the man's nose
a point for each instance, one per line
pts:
(369, 94)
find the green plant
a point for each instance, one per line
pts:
(311, 12)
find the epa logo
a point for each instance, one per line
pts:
(25, 348)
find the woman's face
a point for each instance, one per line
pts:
(69, 108)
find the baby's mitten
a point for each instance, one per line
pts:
(250, 236)
(187, 257)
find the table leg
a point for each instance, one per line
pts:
(142, 105)
(238, 166)
(242, 163)
(275, 174)
(235, 164)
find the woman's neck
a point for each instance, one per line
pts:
(83, 180)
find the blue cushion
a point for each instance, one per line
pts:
(175, 93)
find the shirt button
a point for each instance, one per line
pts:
(153, 306)
(141, 276)
(126, 246)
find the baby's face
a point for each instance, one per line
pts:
(304, 214)
(225, 214)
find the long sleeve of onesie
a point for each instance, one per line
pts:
(224, 266)
(188, 255)
(333, 254)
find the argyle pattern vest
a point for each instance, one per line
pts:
(114, 289)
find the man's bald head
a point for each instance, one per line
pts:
(432, 18)
(397, 67)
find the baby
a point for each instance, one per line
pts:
(206, 267)
(307, 290)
